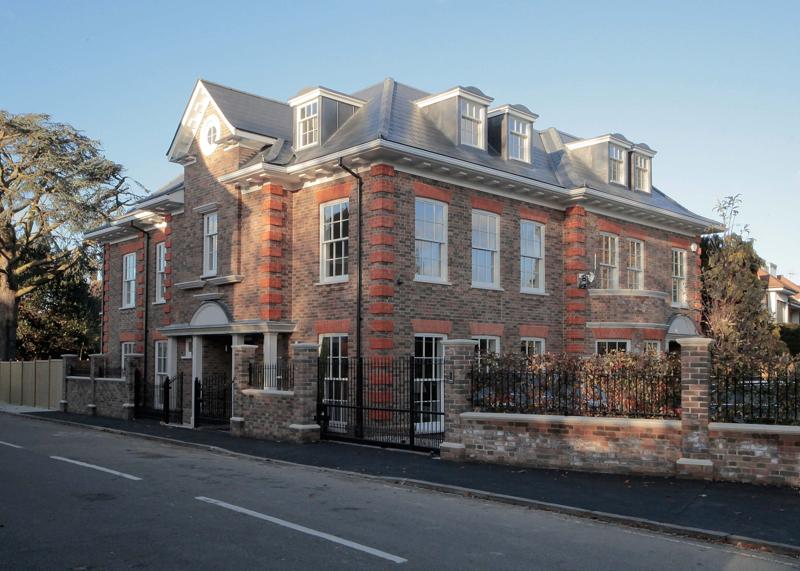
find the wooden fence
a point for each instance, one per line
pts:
(32, 383)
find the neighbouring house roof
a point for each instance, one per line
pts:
(147, 210)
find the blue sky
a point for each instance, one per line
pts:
(714, 87)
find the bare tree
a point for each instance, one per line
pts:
(55, 184)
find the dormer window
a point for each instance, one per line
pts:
(641, 173)
(308, 124)
(472, 120)
(519, 139)
(616, 164)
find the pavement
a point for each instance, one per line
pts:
(73, 498)
(720, 511)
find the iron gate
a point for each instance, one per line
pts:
(150, 398)
(213, 397)
(389, 402)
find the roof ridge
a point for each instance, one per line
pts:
(386, 107)
(243, 92)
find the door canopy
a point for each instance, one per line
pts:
(210, 314)
(682, 326)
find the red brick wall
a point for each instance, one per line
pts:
(756, 454)
(613, 445)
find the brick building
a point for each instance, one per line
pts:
(465, 220)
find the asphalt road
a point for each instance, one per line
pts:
(72, 498)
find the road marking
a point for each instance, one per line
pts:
(93, 467)
(9, 444)
(303, 529)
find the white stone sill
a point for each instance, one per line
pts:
(754, 428)
(573, 420)
(267, 392)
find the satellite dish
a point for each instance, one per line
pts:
(590, 277)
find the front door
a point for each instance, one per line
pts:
(428, 384)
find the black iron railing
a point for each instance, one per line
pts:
(80, 368)
(278, 376)
(635, 386)
(766, 395)
(392, 402)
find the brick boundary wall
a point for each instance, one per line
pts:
(271, 414)
(691, 447)
(97, 396)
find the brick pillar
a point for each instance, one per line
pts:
(132, 364)
(575, 262)
(695, 461)
(140, 287)
(68, 361)
(379, 244)
(305, 358)
(458, 356)
(271, 252)
(243, 355)
(95, 367)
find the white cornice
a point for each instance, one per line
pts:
(598, 140)
(323, 92)
(532, 117)
(457, 91)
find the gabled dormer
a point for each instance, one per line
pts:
(606, 156)
(460, 114)
(511, 132)
(317, 113)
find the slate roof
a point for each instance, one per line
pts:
(252, 113)
(391, 114)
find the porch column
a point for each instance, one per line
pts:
(305, 357)
(242, 356)
(270, 348)
(695, 461)
(197, 370)
(458, 357)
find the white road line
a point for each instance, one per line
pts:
(93, 467)
(9, 444)
(303, 529)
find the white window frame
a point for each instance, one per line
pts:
(541, 263)
(126, 348)
(612, 265)
(641, 169)
(209, 135)
(338, 419)
(308, 126)
(210, 244)
(633, 270)
(679, 294)
(616, 164)
(654, 344)
(161, 271)
(434, 424)
(519, 129)
(442, 277)
(129, 280)
(480, 338)
(323, 259)
(473, 121)
(495, 283)
(526, 342)
(187, 348)
(159, 376)
(599, 342)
